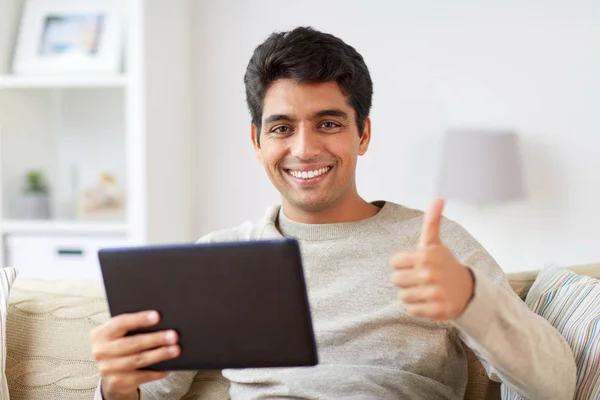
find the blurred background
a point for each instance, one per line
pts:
(125, 122)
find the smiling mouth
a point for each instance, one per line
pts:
(307, 175)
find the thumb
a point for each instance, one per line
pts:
(430, 233)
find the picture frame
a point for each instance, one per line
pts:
(67, 37)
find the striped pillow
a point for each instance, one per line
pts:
(571, 303)
(7, 278)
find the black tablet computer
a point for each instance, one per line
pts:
(234, 305)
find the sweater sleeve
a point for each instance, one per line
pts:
(98, 393)
(173, 386)
(515, 345)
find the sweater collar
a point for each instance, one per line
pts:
(318, 232)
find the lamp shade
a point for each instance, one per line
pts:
(479, 167)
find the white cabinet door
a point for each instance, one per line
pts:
(58, 257)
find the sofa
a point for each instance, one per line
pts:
(49, 355)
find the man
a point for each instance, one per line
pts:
(309, 95)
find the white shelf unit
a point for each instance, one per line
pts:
(135, 125)
(58, 82)
(64, 227)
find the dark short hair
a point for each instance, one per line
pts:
(308, 56)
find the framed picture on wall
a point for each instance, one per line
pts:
(69, 37)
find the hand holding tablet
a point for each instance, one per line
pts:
(230, 305)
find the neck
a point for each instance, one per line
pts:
(354, 208)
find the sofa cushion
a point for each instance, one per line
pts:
(521, 281)
(571, 303)
(49, 353)
(7, 278)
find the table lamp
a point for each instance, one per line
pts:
(481, 166)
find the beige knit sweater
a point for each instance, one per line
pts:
(369, 347)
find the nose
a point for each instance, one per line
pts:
(306, 143)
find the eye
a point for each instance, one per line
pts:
(330, 125)
(281, 129)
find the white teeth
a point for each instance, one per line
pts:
(309, 174)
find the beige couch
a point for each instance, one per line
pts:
(49, 356)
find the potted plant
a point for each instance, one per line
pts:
(36, 199)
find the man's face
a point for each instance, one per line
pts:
(309, 143)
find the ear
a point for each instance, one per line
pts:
(365, 139)
(255, 143)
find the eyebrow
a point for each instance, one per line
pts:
(319, 114)
(277, 117)
(331, 113)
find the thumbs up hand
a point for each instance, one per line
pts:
(433, 284)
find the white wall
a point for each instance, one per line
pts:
(168, 120)
(529, 65)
